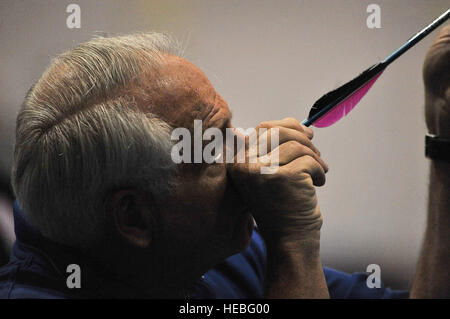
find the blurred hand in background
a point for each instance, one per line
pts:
(436, 72)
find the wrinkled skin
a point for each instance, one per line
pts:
(210, 214)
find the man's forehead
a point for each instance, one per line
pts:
(181, 93)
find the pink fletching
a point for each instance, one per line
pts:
(343, 108)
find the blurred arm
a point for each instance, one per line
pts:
(432, 276)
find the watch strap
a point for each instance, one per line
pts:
(437, 148)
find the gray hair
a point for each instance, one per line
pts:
(81, 133)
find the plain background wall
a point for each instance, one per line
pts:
(269, 60)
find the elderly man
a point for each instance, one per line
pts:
(103, 211)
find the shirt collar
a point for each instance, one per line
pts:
(96, 282)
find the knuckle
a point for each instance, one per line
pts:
(294, 122)
(310, 159)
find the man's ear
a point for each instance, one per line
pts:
(131, 216)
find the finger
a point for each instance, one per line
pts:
(306, 164)
(288, 134)
(289, 151)
(288, 122)
(273, 137)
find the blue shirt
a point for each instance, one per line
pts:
(37, 269)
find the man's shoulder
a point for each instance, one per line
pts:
(239, 276)
(26, 278)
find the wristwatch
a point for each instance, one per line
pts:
(437, 148)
